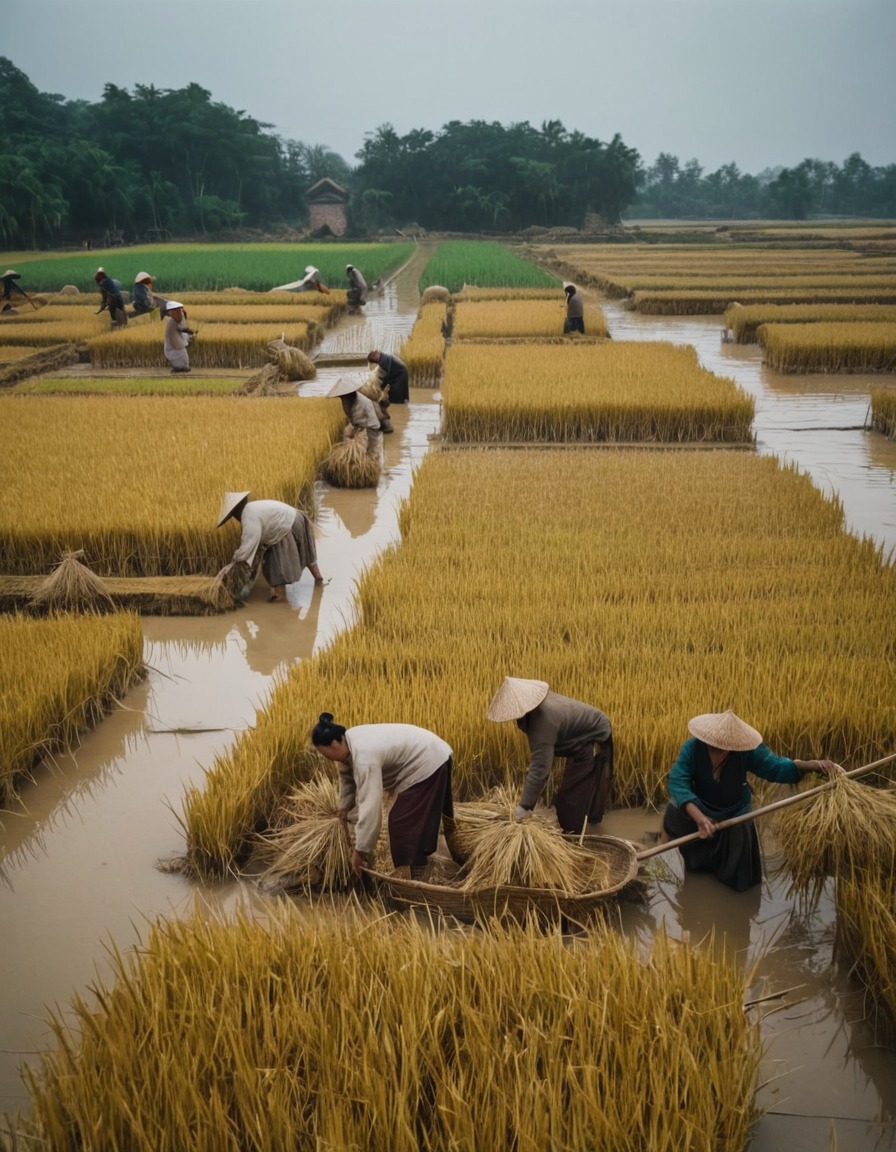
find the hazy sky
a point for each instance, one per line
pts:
(757, 82)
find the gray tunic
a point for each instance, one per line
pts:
(557, 727)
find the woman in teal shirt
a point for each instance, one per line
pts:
(708, 784)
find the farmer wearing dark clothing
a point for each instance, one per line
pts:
(559, 726)
(393, 375)
(708, 784)
(9, 278)
(575, 311)
(111, 298)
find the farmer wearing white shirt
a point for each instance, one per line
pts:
(282, 531)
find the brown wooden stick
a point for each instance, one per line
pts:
(746, 817)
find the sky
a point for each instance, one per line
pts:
(758, 83)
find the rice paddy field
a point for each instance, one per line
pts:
(883, 411)
(652, 583)
(457, 264)
(522, 319)
(857, 346)
(744, 322)
(127, 386)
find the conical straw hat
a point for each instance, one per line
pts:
(515, 698)
(724, 730)
(343, 386)
(228, 505)
(141, 276)
(12, 272)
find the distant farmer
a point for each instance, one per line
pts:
(575, 310)
(145, 299)
(177, 337)
(560, 726)
(361, 413)
(9, 278)
(283, 532)
(393, 375)
(708, 783)
(311, 281)
(411, 762)
(357, 286)
(112, 298)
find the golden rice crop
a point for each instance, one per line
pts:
(143, 501)
(424, 350)
(348, 464)
(712, 302)
(163, 385)
(13, 352)
(474, 292)
(883, 411)
(308, 844)
(622, 579)
(744, 321)
(78, 330)
(215, 345)
(519, 318)
(57, 677)
(336, 300)
(866, 934)
(829, 347)
(608, 392)
(333, 1029)
(848, 827)
(315, 316)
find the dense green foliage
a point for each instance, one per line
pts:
(209, 268)
(670, 190)
(483, 176)
(459, 262)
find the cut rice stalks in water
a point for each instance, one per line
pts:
(350, 465)
(309, 844)
(866, 935)
(848, 827)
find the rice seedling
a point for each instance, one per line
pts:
(143, 500)
(127, 386)
(57, 677)
(215, 345)
(744, 321)
(849, 827)
(348, 464)
(883, 411)
(528, 319)
(424, 350)
(643, 592)
(866, 934)
(308, 843)
(457, 263)
(829, 347)
(515, 1038)
(586, 393)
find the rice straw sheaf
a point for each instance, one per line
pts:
(349, 465)
(308, 845)
(530, 853)
(72, 587)
(866, 935)
(848, 827)
(291, 361)
(265, 382)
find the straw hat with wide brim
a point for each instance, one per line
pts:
(141, 276)
(342, 387)
(515, 698)
(229, 504)
(724, 730)
(12, 272)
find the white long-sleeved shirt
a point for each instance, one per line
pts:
(264, 522)
(385, 757)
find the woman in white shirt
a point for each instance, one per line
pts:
(285, 534)
(400, 758)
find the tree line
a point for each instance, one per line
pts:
(156, 163)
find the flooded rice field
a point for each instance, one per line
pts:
(78, 854)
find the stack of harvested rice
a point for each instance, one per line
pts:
(532, 853)
(435, 292)
(265, 382)
(349, 464)
(373, 388)
(308, 846)
(72, 587)
(847, 828)
(291, 362)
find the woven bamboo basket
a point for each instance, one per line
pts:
(509, 902)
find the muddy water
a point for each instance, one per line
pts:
(78, 855)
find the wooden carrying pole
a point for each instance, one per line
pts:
(746, 817)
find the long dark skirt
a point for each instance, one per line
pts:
(416, 816)
(285, 561)
(732, 855)
(398, 387)
(586, 788)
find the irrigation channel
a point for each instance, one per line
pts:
(78, 854)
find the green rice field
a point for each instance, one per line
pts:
(459, 262)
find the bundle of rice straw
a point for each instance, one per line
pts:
(350, 465)
(373, 389)
(292, 362)
(847, 828)
(532, 853)
(265, 382)
(435, 292)
(308, 846)
(238, 580)
(72, 587)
